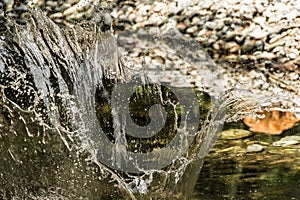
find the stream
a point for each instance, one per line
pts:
(80, 119)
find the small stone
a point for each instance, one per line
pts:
(158, 60)
(291, 137)
(232, 134)
(292, 56)
(140, 19)
(294, 53)
(231, 58)
(143, 10)
(291, 15)
(56, 15)
(195, 20)
(181, 26)
(131, 16)
(278, 43)
(232, 47)
(275, 38)
(211, 25)
(294, 76)
(248, 45)
(261, 21)
(218, 45)
(173, 9)
(297, 37)
(156, 19)
(52, 3)
(279, 6)
(254, 148)
(147, 59)
(159, 6)
(244, 57)
(206, 4)
(288, 140)
(264, 55)
(134, 54)
(229, 45)
(192, 29)
(279, 50)
(258, 34)
(283, 143)
(160, 52)
(260, 8)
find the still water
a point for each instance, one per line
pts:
(273, 173)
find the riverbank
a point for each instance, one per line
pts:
(255, 43)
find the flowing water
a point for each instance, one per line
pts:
(77, 120)
(69, 109)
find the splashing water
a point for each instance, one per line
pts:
(68, 90)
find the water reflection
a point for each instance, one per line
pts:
(270, 174)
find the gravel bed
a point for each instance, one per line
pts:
(254, 42)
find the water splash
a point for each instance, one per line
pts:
(57, 81)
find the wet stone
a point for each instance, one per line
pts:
(233, 134)
(293, 137)
(288, 140)
(255, 148)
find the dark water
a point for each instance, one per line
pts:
(271, 174)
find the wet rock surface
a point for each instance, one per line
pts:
(232, 134)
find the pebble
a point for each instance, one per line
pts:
(258, 34)
(159, 6)
(292, 137)
(287, 140)
(195, 20)
(158, 60)
(211, 25)
(294, 76)
(248, 45)
(264, 55)
(231, 58)
(230, 45)
(275, 38)
(279, 43)
(192, 29)
(294, 53)
(284, 143)
(254, 148)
